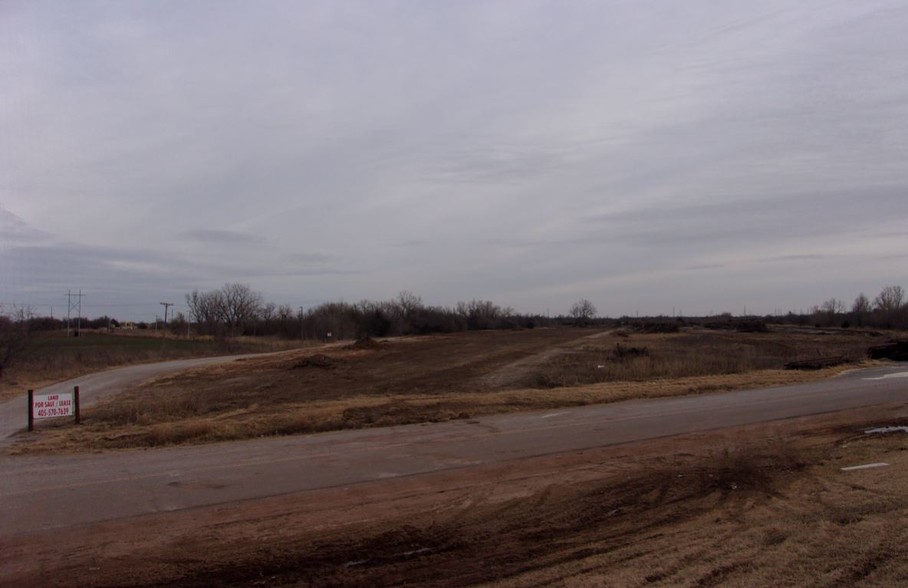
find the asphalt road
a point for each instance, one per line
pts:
(41, 493)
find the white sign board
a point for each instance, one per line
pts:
(45, 406)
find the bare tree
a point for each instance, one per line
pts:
(860, 309)
(233, 307)
(204, 309)
(408, 302)
(583, 311)
(268, 312)
(861, 305)
(890, 299)
(832, 307)
(239, 305)
(178, 324)
(482, 314)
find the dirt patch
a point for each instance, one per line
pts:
(522, 371)
(761, 505)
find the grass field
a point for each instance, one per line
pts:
(437, 378)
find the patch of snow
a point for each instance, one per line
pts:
(866, 466)
(890, 376)
(884, 430)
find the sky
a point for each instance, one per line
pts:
(653, 157)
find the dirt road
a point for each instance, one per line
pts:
(97, 386)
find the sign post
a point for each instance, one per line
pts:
(31, 413)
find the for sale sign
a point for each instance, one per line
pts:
(45, 406)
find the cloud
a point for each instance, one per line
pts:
(705, 266)
(529, 152)
(312, 258)
(222, 237)
(16, 231)
(787, 258)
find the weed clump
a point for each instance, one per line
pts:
(627, 352)
(657, 327)
(316, 361)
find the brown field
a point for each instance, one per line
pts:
(53, 357)
(762, 505)
(436, 378)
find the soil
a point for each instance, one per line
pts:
(766, 504)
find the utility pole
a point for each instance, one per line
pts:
(166, 305)
(301, 323)
(77, 306)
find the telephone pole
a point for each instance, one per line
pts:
(166, 305)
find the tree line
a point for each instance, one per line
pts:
(236, 309)
(888, 310)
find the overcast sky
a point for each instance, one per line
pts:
(702, 156)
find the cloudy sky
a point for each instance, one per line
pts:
(701, 156)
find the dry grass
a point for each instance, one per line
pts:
(435, 379)
(650, 357)
(141, 420)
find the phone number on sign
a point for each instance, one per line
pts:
(52, 412)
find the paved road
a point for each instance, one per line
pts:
(94, 387)
(40, 493)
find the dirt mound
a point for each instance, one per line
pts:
(897, 351)
(364, 343)
(317, 361)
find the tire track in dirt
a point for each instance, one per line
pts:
(515, 372)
